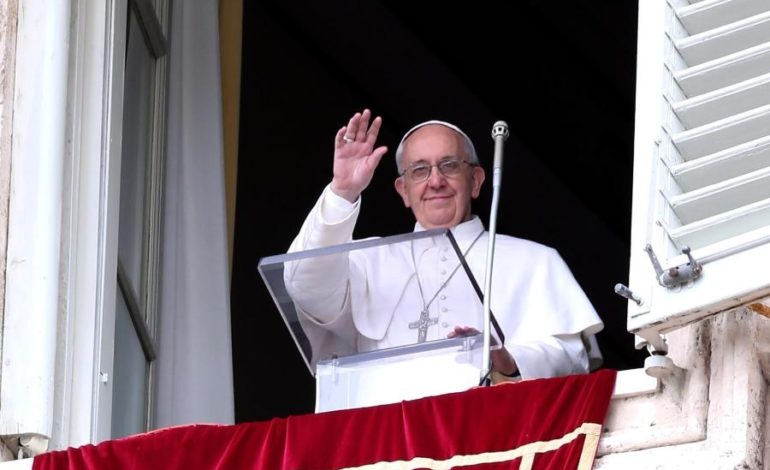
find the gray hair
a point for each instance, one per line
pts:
(470, 150)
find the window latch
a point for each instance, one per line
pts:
(677, 275)
(623, 291)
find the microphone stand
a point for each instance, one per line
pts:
(499, 135)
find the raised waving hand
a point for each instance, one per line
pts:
(355, 156)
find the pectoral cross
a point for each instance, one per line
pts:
(422, 325)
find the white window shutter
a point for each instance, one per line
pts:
(701, 160)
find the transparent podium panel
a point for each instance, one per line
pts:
(375, 319)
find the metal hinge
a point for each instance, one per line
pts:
(678, 275)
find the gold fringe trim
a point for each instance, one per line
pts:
(527, 452)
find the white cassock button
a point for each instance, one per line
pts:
(443, 296)
(443, 271)
(445, 325)
(443, 309)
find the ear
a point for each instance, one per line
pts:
(478, 177)
(401, 189)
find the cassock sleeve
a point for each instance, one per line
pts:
(552, 356)
(320, 286)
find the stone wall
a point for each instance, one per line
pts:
(711, 413)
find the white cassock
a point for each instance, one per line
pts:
(371, 299)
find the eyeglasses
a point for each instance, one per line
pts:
(420, 171)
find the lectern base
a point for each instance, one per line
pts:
(393, 375)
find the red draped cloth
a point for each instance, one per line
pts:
(535, 424)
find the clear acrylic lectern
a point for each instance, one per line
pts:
(350, 369)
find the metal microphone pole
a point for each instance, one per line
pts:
(499, 135)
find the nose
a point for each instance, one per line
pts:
(436, 178)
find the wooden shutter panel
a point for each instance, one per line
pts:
(702, 158)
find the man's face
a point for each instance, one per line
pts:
(439, 201)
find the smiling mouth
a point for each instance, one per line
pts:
(438, 197)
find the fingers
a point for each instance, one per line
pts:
(466, 330)
(339, 139)
(351, 130)
(358, 129)
(374, 131)
(363, 126)
(461, 331)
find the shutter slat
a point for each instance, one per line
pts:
(722, 103)
(718, 166)
(710, 14)
(724, 71)
(738, 222)
(723, 134)
(725, 40)
(723, 196)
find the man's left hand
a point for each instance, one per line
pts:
(502, 361)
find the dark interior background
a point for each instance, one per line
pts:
(561, 74)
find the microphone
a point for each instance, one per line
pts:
(499, 135)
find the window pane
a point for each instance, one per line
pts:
(129, 387)
(137, 120)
